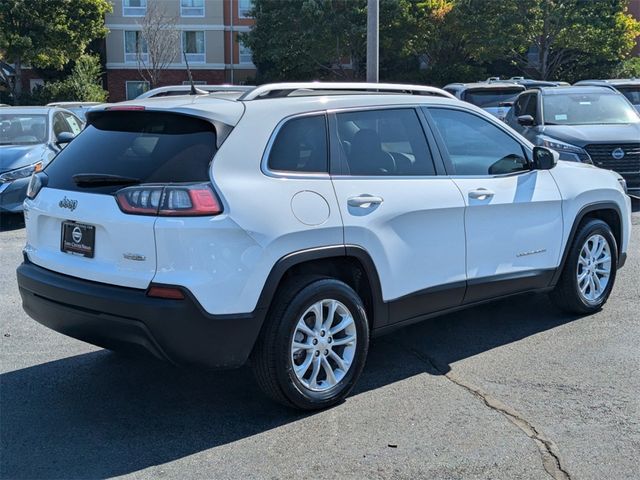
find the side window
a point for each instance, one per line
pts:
(301, 146)
(531, 108)
(73, 122)
(59, 124)
(520, 105)
(383, 142)
(476, 146)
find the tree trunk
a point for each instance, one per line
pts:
(17, 80)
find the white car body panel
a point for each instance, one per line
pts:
(116, 234)
(516, 229)
(415, 236)
(581, 185)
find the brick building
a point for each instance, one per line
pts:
(208, 33)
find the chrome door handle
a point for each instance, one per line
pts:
(364, 201)
(481, 194)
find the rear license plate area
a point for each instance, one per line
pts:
(78, 239)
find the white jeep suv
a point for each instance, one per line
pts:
(286, 225)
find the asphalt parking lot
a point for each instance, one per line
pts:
(511, 390)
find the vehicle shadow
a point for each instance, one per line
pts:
(11, 221)
(101, 414)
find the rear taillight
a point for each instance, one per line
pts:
(169, 200)
(37, 181)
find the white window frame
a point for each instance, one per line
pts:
(126, 87)
(244, 61)
(133, 57)
(191, 12)
(128, 11)
(242, 11)
(194, 57)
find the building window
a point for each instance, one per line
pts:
(134, 8)
(192, 8)
(244, 8)
(193, 46)
(135, 45)
(136, 88)
(245, 54)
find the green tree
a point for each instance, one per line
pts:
(315, 39)
(546, 38)
(49, 33)
(83, 84)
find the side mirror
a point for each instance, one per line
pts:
(544, 158)
(526, 120)
(64, 137)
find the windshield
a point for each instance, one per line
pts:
(632, 94)
(491, 98)
(587, 109)
(22, 129)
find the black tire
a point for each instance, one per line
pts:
(566, 295)
(271, 359)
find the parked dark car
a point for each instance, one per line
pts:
(629, 87)
(496, 97)
(29, 139)
(587, 124)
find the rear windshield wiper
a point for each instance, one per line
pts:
(103, 179)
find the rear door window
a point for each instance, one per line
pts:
(151, 147)
(383, 142)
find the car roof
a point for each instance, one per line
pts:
(30, 110)
(229, 111)
(612, 81)
(485, 85)
(228, 108)
(577, 89)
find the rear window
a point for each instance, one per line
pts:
(151, 147)
(491, 98)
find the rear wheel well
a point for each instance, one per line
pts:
(346, 269)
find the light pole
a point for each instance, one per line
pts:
(372, 40)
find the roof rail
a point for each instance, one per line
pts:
(274, 90)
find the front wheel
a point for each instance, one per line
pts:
(314, 345)
(589, 271)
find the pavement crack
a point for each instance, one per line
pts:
(548, 449)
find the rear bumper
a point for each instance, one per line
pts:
(120, 318)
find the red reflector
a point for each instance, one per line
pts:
(125, 107)
(165, 292)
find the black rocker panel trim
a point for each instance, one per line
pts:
(486, 288)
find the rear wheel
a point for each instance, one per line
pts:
(589, 271)
(314, 344)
